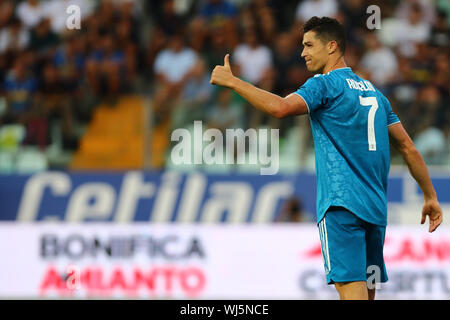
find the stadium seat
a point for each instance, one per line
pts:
(6, 162)
(30, 160)
(115, 137)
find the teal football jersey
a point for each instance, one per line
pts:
(349, 120)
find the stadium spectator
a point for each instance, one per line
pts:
(225, 113)
(174, 63)
(217, 10)
(70, 60)
(167, 19)
(219, 46)
(158, 42)
(405, 8)
(56, 11)
(444, 6)
(356, 17)
(31, 13)
(210, 15)
(104, 67)
(379, 61)
(441, 73)
(55, 102)
(321, 8)
(127, 30)
(19, 88)
(247, 19)
(6, 13)
(197, 33)
(13, 37)
(195, 95)
(287, 65)
(431, 105)
(172, 68)
(412, 30)
(266, 22)
(440, 32)
(127, 39)
(292, 210)
(424, 111)
(120, 44)
(42, 38)
(253, 58)
(431, 144)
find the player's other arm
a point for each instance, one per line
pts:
(263, 100)
(418, 169)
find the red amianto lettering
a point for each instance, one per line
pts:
(97, 281)
(419, 251)
(404, 249)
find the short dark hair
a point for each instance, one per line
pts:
(327, 29)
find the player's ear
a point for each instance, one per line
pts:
(332, 47)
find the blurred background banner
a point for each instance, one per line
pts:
(170, 196)
(281, 261)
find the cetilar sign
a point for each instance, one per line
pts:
(184, 198)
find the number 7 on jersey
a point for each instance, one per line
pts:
(372, 102)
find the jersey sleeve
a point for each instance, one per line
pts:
(313, 91)
(392, 118)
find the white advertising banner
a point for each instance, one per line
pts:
(272, 261)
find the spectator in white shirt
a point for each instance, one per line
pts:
(379, 61)
(253, 58)
(30, 13)
(173, 67)
(414, 29)
(14, 37)
(428, 7)
(173, 63)
(321, 8)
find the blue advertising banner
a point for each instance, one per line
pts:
(170, 196)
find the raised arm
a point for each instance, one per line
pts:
(418, 169)
(263, 100)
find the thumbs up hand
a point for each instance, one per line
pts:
(222, 75)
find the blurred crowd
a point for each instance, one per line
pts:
(52, 78)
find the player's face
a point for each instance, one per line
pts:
(314, 52)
